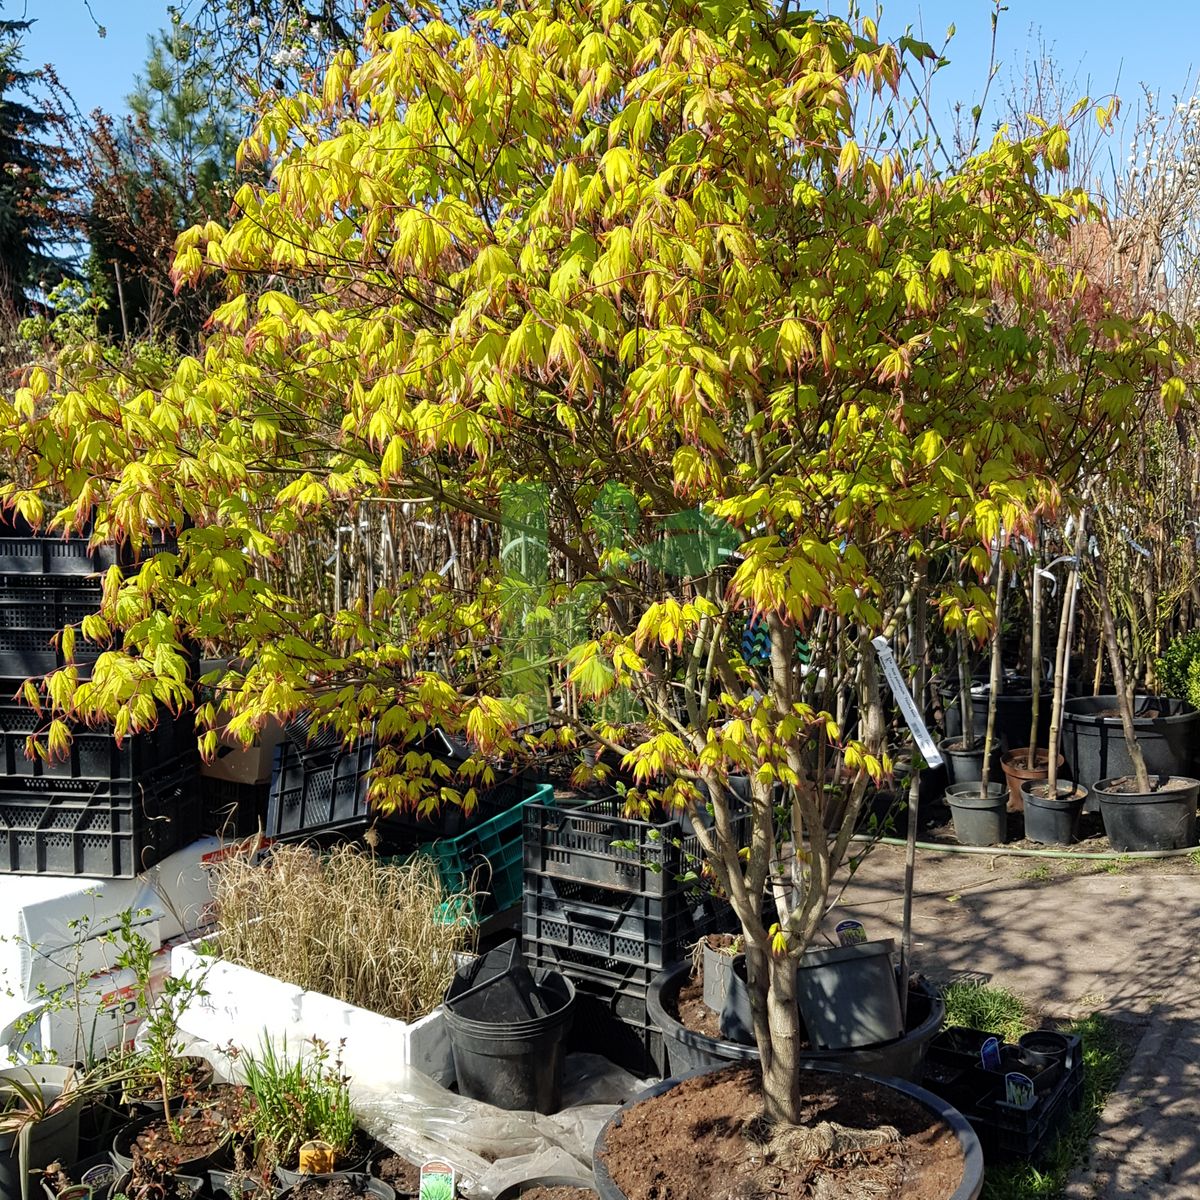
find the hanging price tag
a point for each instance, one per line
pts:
(908, 706)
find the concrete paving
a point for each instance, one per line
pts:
(1073, 939)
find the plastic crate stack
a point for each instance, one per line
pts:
(609, 901)
(955, 1070)
(104, 810)
(319, 791)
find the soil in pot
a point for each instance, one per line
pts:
(337, 1187)
(1017, 773)
(189, 1074)
(706, 1138)
(196, 1135)
(403, 1175)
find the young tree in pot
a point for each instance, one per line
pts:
(709, 287)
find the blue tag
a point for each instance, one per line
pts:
(989, 1054)
(1018, 1089)
(851, 933)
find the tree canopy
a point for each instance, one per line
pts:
(692, 252)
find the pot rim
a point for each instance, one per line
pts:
(996, 794)
(1078, 793)
(513, 1191)
(1174, 795)
(968, 1187)
(1112, 718)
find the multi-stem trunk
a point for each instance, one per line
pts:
(1062, 658)
(1035, 652)
(995, 678)
(965, 707)
(1124, 700)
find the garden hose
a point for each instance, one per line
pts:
(1022, 852)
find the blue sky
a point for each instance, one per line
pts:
(1152, 41)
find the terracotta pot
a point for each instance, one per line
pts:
(1018, 774)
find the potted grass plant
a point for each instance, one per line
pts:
(39, 1123)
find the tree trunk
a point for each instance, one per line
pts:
(1035, 650)
(996, 675)
(1062, 658)
(781, 1070)
(1124, 699)
(965, 707)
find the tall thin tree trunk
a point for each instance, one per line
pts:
(1124, 699)
(1062, 657)
(1035, 648)
(996, 675)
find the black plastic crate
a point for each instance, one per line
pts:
(611, 1017)
(618, 926)
(595, 842)
(33, 613)
(1006, 1131)
(23, 552)
(325, 791)
(108, 831)
(233, 809)
(94, 752)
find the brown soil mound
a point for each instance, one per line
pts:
(858, 1141)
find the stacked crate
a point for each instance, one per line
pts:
(609, 901)
(319, 793)
(104, 809)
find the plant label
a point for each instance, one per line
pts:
(989, 1054)
(437, 1181)
(908, 706)
(850, 933)
(1018, 1089)
(316, 1158)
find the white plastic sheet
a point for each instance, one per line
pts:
(488, 1147)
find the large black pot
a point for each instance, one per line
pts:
(969, 1188)
(1094, 739)
(517, 1190)
(1162, 820)
(1014, 712)
(903, 1057)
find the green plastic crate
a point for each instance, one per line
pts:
(495, 844)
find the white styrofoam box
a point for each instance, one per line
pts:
(40, 934)
(241, 1006)
(102, 1018)
(237, 764)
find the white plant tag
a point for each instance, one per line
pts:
(908, 706)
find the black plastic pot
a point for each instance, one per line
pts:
(1094, 739)
(688, 1051)
(980, 819)
(197, 1183)
(966, 765)
(52, 1138)
(356, 1161)
(201, 1073)
(848, 995)
(1046, 1042)
(1052, 821)
(968, 1188)
(233, 1185)
(1162, 820)
(517, 1190)
(370, 1187)
(1014, 711)
(503, 1053)
(126, 1135)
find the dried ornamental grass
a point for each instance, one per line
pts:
(343, 924)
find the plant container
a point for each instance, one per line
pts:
(718, 971)
(356, 1161)
(1017, 774)
(1052, 821)
(979, 819)
(237, 1185)
(55, 1138)
(1014, 710)
(199, 1071)
(1159, 820)
(516, 1190)
(848, 995)
(196, 1184)
(965, 764)
(95, 1177)
(1094, 739)
(508, 1035)
(367, 1185)
(122, 1149)
(686, 1050)
(968, 1188)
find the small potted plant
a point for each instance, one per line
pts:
(39, 1123)
(292, 1101)
(152, 1178)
